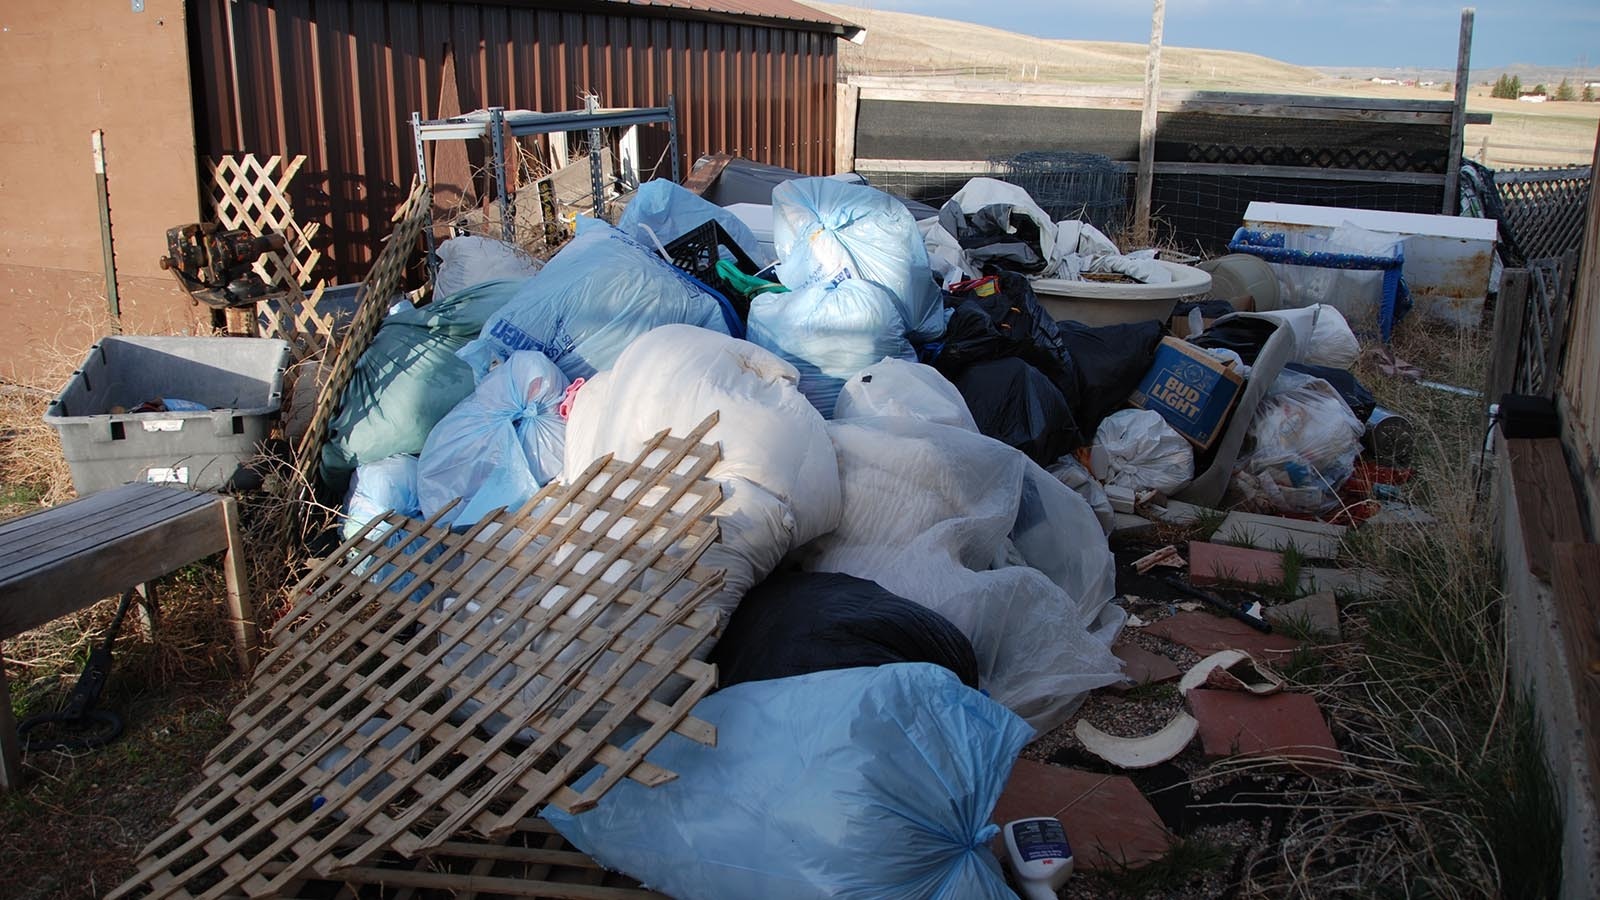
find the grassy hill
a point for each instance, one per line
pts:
(902, 42)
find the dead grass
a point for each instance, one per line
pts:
(82, 817)
(1445, 793)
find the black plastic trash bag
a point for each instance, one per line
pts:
(998, 317)
(1093, 369)
(804, 622)
(1244, 335)
(1017, 405)
(1107, 364)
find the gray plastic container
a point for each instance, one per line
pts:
(240, 380)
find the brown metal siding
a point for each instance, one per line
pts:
(337, 80)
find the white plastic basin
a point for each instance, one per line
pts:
(1107, 303)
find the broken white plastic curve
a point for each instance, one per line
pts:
(1140, 752)
(1222, 661)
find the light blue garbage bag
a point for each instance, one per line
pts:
(829, 334)
(376, 488)
(827, 231)
(672, 211)
(862, 783)
(498, 446)
(591, 300)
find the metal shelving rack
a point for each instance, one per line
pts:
(493, 123)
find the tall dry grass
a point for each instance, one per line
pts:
(1445, 793)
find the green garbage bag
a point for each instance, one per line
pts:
(408, 378)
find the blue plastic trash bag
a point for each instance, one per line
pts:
(672, 211)
(376, 488)
(498, 446)
(829, 334)
(591, 300)
(866, 783)
(827, 231)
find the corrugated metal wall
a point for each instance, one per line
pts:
(338, 80)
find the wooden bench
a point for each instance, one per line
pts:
(60, 560)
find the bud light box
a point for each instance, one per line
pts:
(1193, 390)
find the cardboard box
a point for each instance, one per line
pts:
(1193, 390)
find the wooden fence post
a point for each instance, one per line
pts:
(1458, 115)
(1147, 124)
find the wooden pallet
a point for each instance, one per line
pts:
(430, 683)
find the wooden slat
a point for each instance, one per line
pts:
(706, 172)
(1576, 583)
(46, 594)
(126, 496)
(1546, 502)
(1509, 314)
(46, 544)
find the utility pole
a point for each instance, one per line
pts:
(1147, 124)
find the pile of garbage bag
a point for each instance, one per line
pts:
(918, 465)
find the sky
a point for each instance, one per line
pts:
(1419, 34)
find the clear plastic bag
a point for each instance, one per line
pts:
(472, 259)
(894, 387)
(973, 530)
(377, 487)
(780, 479)
(1304, 442)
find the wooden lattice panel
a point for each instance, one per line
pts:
(377, 293)
(1544, 210)
(532, 862)
(431, 684)
(253, 195)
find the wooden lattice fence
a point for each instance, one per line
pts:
(253, 194)
(1544, 208)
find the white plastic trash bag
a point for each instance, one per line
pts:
(973, 530)
(498, 446)
(591, 300)
(780, 479)
(471, 259)
(378, 487)
(870, 783)
(670, 211)
(829, 333)
(894, 387)
(827, 231)
(1322, 336)
(1072, 473)
(1304, 442)
(1140, 451)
